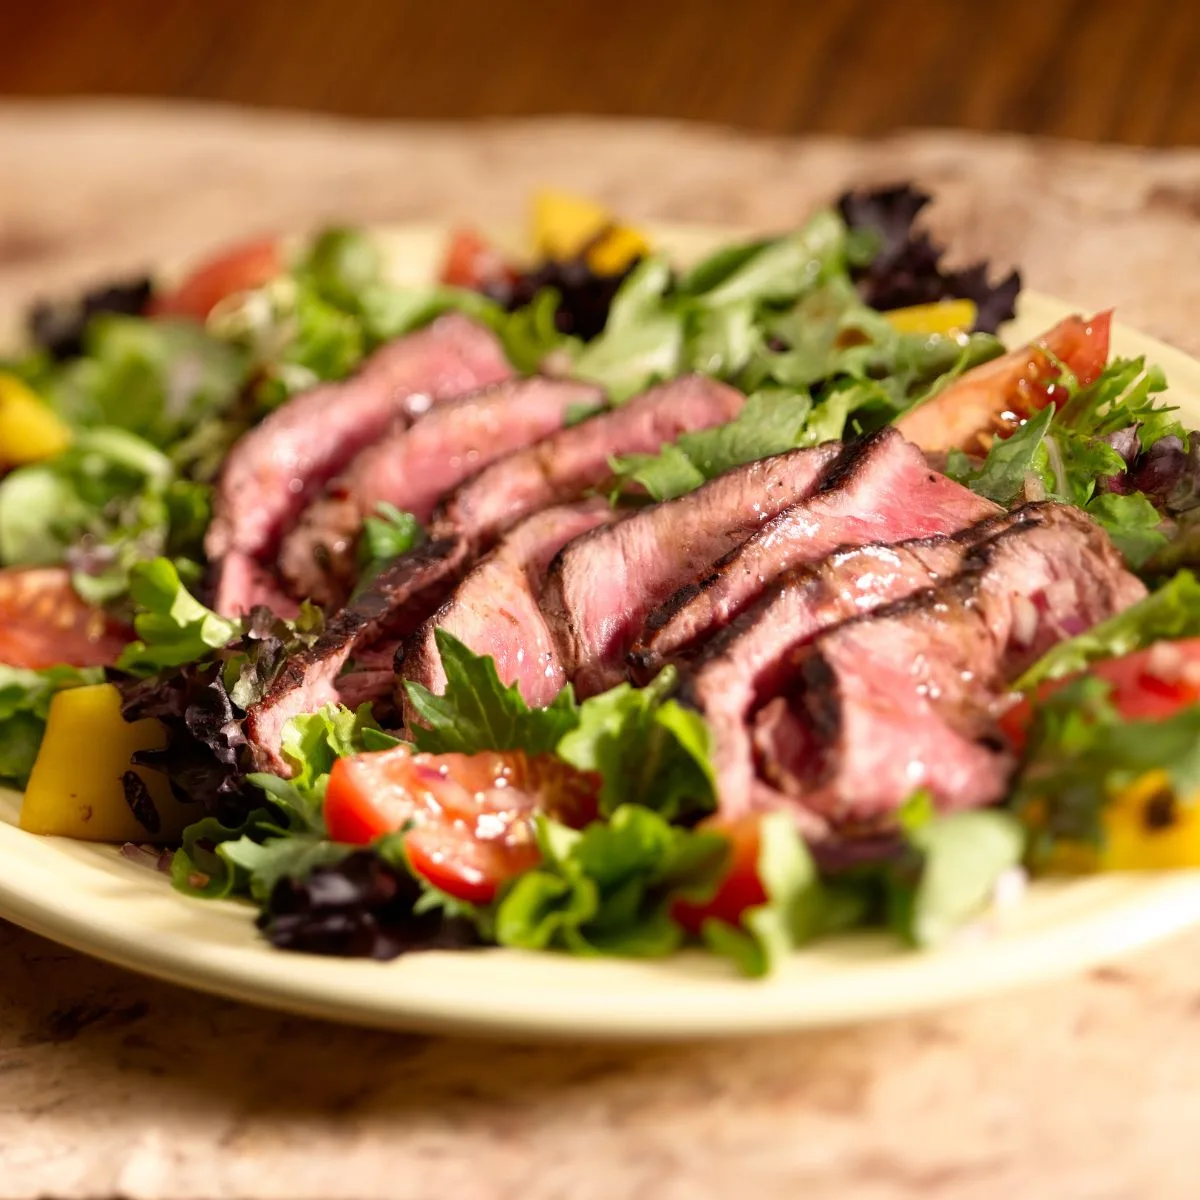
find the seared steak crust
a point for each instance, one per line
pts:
(495, 609)
(414, 467)
(601, 586)
(572, 462)
(275, 469)
(880, 489)
(906, 697)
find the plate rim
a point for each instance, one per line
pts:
(704, 999)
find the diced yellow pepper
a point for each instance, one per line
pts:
(563, 224)
(1148, 829)
(946, 317)
(616, 250)
(29, 429)
(75, 789)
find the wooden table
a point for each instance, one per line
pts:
(114, 1086)
(1105, 71)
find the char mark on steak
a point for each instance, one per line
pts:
(571, 463)
(746, 664)
(397, 600)
(495, 610)
(906, 697)
(880, 489)
(275, 469)
(412, 468)
(601, 586)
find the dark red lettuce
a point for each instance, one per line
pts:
(907, 267)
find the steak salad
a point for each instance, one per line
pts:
(598, 605)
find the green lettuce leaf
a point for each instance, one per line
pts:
(949, 876)
(173, 627)
(608, 889)
(25, 697)
(477, 712)
(1170, 613)
(650, 750)
(385, 536)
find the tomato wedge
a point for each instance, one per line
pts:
(44, 623)
(472, 262)
(470, 817)
(238, 269)
(741, 887)
(993, 399)
(1148, 685)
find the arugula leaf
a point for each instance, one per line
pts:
(1081, 754)
(1010, 462)
(1170, 613)
(770, 422)
(649, 750)
(950, 874)
(798, 908)
(386, 536)
(265, 863)
(477, 712)
(173, 627)
(608, 889)
(25, 697)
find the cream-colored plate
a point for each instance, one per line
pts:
(93, 899)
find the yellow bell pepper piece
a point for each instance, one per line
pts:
(947, 317)
(29, 429)
(1147, 829)
(616, 250)
(563, 224)
(75, 788)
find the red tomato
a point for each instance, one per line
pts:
(993, 399)
(1148, 685)
(239, 269)
(472, 263)
(740, 889)
(44, 623)
(471, 815)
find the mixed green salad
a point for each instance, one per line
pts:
(113, 429)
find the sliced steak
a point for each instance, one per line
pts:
(414, 467)
(748, 662)
(495, 608)
(601, 587)
(240, 584)
(274, 470)
(906, 697)
(397, 601)
(879, 490)
(569, 464)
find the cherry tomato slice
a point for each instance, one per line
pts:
(471, 262)
(740, 889)
(470, 816)
(238, 269)
(44, 623)
(1148, 685)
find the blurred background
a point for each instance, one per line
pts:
(1100, 70)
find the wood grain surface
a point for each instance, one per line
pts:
(1106, 70)
(115, 1086)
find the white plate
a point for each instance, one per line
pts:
(91, 898)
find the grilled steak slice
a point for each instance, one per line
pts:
(879, 490)
(569, 464)
(397, 601)
(495, 608)
(240, 584)
(905, 697)
(279, 465)
(414, 467)
(747, 662)
(601, 586)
